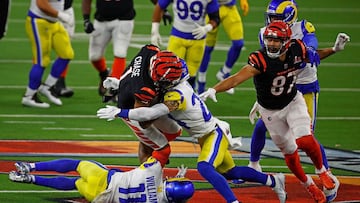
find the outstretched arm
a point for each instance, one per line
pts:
(339, 45)
(241, 76)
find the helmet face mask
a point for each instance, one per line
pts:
(277, 38)
(178, 190)
(284, 10)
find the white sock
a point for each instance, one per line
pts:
(50, 80)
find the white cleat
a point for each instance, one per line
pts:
(34, 101)
(45, 90)
(23, 167)
(279, 188)
(331, 194)
(22, 178)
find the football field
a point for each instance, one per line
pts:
(31, 134)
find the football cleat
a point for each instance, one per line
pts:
(316, 193)
(220, 75)
(103, 75)
(22, 178)
(60, 89)
(279, 188)
(34, 101)
(326, 180)
(23, 167)
(45, 90)
(255, 165)
(331, 194)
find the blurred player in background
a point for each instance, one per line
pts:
(60, 88)
(233, 26)
(45, 32)
(113, 20)
(215, 162)
(4, 14)
(306, 82)
(99, 184)
(187, 38)
(282, 106)
(167, 17)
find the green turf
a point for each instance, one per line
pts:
(339, 114)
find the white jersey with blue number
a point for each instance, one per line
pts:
(305, 75)
(192, 114)
(188, 13)
(56, 4)
(143, 184)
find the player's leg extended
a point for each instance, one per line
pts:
(210, 39)
(58, 165)
(121, 37)
(93, 179)
(258, 139)
(233, 27)
(213, 148)
(311, 100)
(38, 34)
(98, 41)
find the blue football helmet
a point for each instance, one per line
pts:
(178, 190)
(281, 10)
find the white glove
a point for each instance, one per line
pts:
(182, 171)
(254, 113)
(340, 42)
(211, 92)
(111, 83)
(65, 18)
(109, 112)
(155, 35)
(201, 31)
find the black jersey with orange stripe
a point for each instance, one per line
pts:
(136, 83)
(275, 86)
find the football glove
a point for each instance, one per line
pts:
(109, 112)
(181, 171)
(111, 83)
(313, 56)
(200, 31)
(340, 42)
(244, 5)
(155, 35)
(88, 26)
(65, 18)
(167, 18)
(211, 92)
(254, 113)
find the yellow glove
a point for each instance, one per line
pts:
(244, 5)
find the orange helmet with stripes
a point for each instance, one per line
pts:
(279, 33)
(165, 69)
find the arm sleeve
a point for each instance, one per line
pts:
(145, 113)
